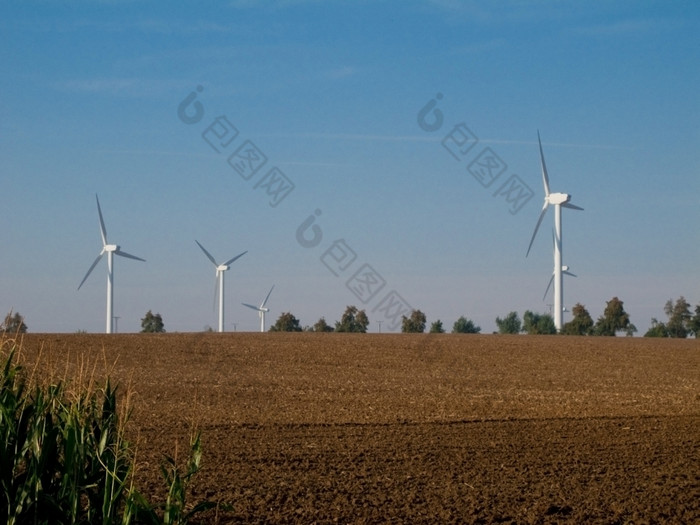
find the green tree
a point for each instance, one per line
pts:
(436, 327)
(322, 326)
(580, 324)
(510, 325)
(286, 323)
(414, 324)
(536, 324)
(694, 323)
(465, 326)
(679, 317)
(353, 320)
(614, 319)
(14, 324)
(152, 323)
(657, 329)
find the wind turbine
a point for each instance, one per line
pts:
(558, 200)
(564, 271)
(220, 269)
(110, 250)
(261, 309)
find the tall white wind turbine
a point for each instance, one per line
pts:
(220, 269)
(110, 250)
(261, 309)
(558, 200)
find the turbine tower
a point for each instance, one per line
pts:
(220, 269)
(110, 250)
(261, 309)
(558, 200)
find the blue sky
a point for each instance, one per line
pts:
(330, 94)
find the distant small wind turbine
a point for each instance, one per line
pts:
(564, 271)
(220, 269)
(558, 200)
(110, 250)
(261, 309)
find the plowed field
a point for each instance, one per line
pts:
(389, 428)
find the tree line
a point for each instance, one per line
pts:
(680, 323)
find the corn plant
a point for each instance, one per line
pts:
(174, 510)
(60, 462)
(64, 460)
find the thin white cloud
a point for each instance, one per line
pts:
(355, 137)
(486, 46)
(121, 86)
(431, 138)
(508, 11)
(115, 86)
(342, 72)
(313, 164)
(270, 4)
(620, 28)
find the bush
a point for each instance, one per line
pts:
(535, 324)
(286, 323)
(510, 325)
(13, 324)
(465, 326)
(437, 328)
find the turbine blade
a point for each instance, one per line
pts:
(551, 280)
(266, 298)
(567, 272)
(251, 306)
(537, 227)
(235, 258)
(545, 177)
(207, 253)
(554, 240)
(103, 231)
(571, 206)
(128, 255)
(91, 269)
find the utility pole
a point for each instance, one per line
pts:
(116, 323)
(380, 326)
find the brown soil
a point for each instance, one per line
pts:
(377, 428)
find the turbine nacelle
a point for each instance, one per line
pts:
(110, 248)
(557, 198)
(221, 268)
